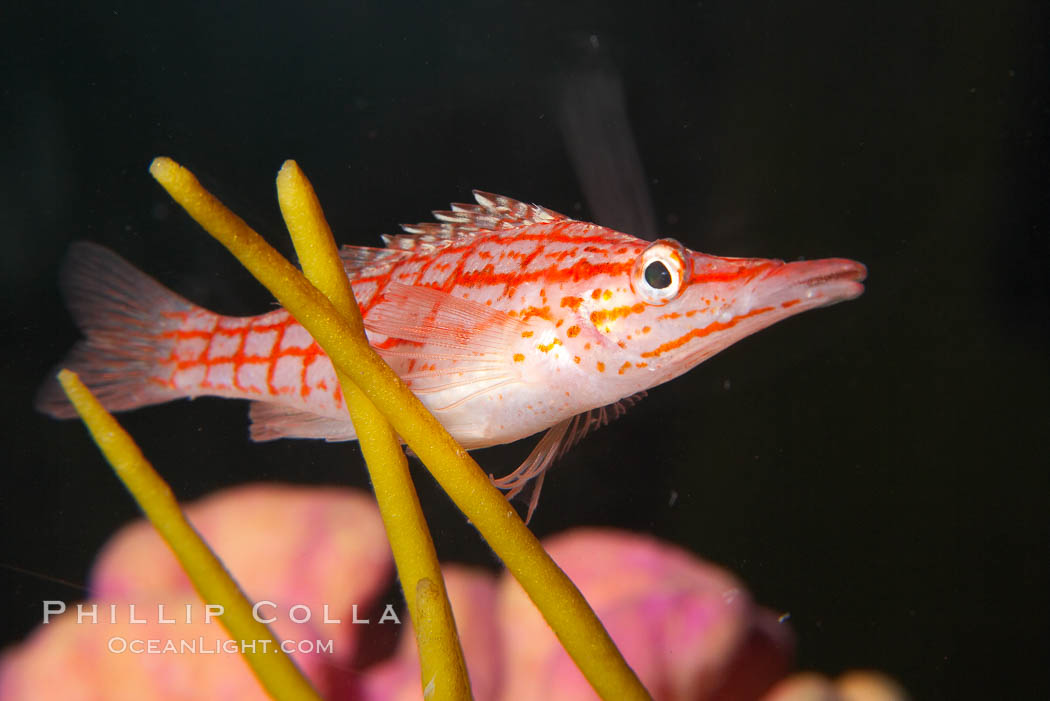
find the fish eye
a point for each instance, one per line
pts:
(659, 273)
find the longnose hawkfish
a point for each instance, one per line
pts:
(505, 318)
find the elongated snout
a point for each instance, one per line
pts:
(823, 282)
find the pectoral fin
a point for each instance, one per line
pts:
(458, 347)
(425, 315)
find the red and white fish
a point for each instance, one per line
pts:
(505, 318)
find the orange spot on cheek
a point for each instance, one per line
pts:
(572, 303)
(596, 294)
(541, 312)
(646, 329)
(607, 295)
(790, 303)
(601, 366)
(576, 359)
(623, 367)
(518, 358)
(545, 348)
(573, 331)
(526, 334)
(600, 315)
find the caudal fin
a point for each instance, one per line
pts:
(124, 315)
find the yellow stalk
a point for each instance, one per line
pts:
(554, 594)
(444, 673)
(436, 631)
(274, 670)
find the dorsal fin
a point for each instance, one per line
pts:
(357, 259)
(491, 213)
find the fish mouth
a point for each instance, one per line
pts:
(819, 282)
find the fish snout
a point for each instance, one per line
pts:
(820, 282)
(731, 271)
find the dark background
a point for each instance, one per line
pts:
(878, 469)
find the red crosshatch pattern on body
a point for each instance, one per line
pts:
(267, 355)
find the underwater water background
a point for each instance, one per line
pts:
(877, 469)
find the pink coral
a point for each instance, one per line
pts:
(286, 545)
(688, 628)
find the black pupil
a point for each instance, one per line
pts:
(657, 275)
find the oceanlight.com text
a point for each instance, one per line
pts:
(120, 645)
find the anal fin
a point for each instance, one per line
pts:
(271, 421)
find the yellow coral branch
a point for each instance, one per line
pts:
(275, 670)
(436, 632)
(444, 674)
(556, 597)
